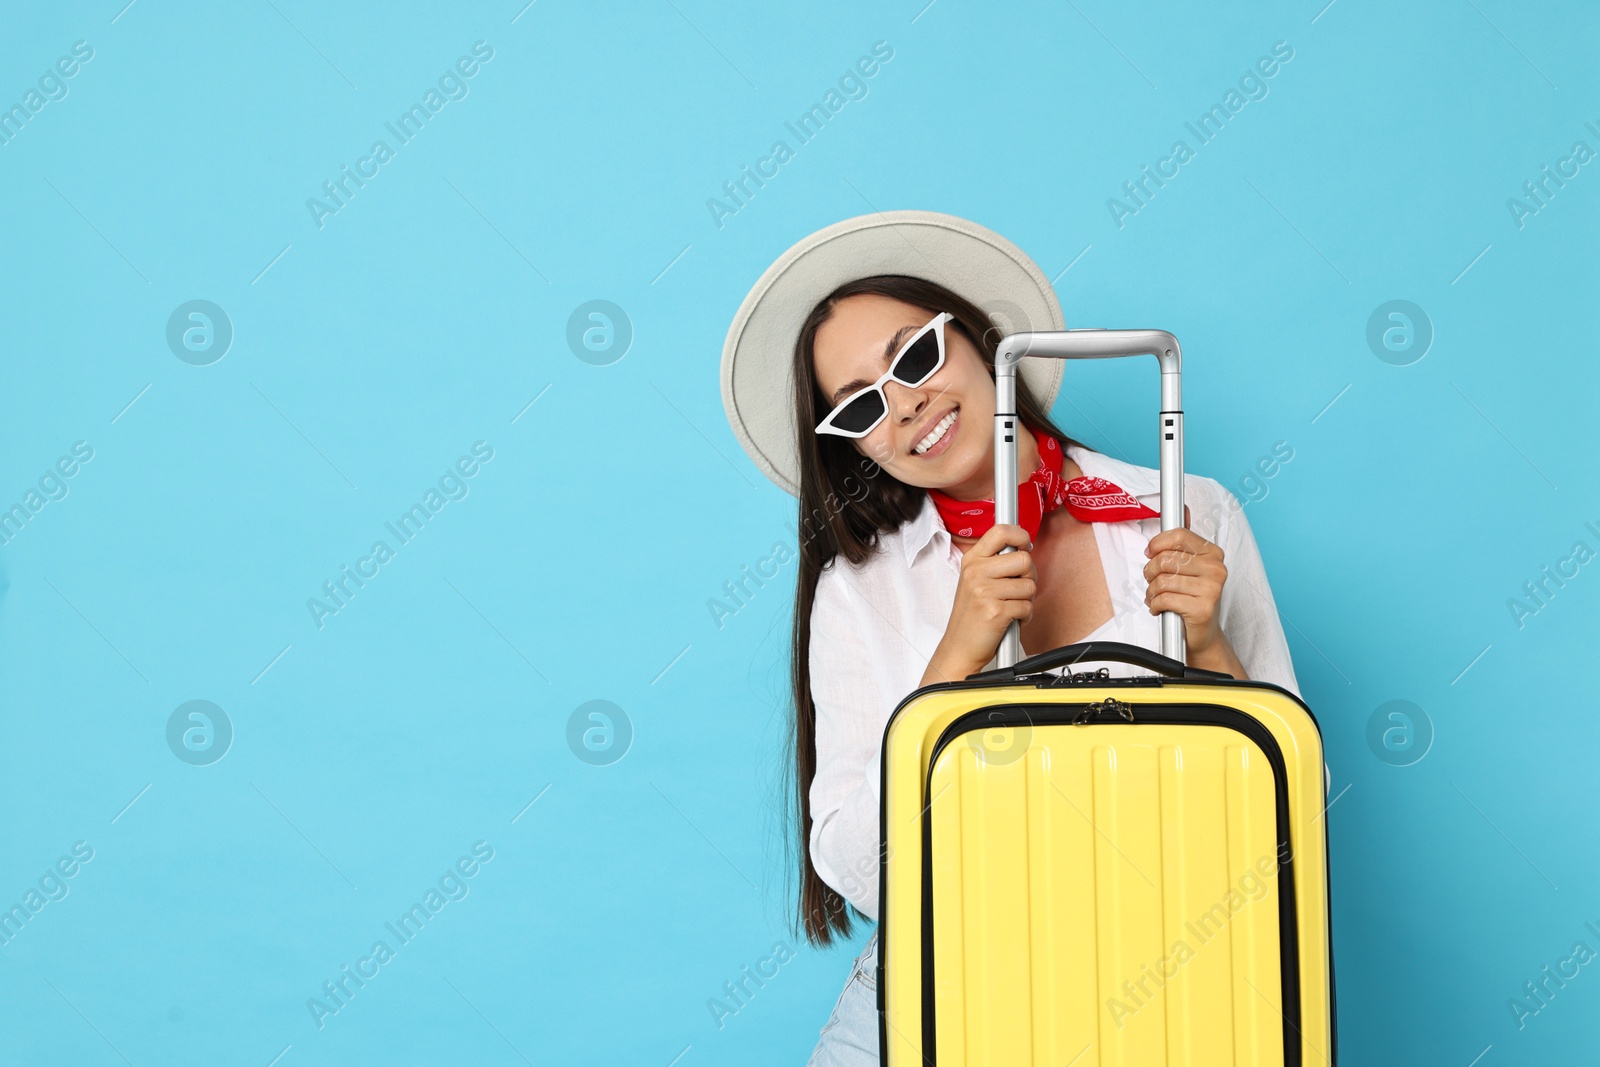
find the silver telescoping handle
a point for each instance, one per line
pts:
(1090, 344)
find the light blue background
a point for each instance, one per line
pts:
(427, 314)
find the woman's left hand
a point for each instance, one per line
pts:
(1185, 575)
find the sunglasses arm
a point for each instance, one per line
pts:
(1090, 344)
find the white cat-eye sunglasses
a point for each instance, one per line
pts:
(918, 360)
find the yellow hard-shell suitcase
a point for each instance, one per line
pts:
(1084, 870)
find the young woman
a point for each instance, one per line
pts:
(902, 581)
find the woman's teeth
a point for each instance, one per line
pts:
(935, 434)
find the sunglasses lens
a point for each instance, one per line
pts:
(918, 362)
(860, 414)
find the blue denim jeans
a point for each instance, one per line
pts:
(850, 1038)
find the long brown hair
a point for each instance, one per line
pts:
(846, 501)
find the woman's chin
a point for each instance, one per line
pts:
(940, 472)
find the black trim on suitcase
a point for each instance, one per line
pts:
(1053, 681)
(1063, 714)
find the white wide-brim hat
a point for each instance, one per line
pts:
(979, 264)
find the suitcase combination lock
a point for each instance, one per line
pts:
(1110, 706)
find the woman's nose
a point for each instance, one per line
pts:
(904, 401)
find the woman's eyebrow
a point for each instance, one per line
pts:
(888, 353)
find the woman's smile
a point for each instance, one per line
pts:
(939, 437)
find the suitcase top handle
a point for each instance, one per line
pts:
(1099, 650)
(1090, 344)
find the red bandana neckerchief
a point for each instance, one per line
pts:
(1086, 499)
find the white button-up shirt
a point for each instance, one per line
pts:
(874, 628)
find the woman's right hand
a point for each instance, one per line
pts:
(994, 589)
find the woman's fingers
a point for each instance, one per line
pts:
(995, 589)
(1184, 540)
(999, 536)
(1023, 588)
(1183, 562)
(1009, 565)
(1184, 585)
(1185, 575)
(1197, 612)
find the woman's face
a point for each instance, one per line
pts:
(853, 349)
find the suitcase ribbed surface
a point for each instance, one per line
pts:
(1146, 887)
(1082, 897)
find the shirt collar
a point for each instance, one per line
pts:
(1142, 483)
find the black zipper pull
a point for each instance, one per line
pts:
(1108, 706)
